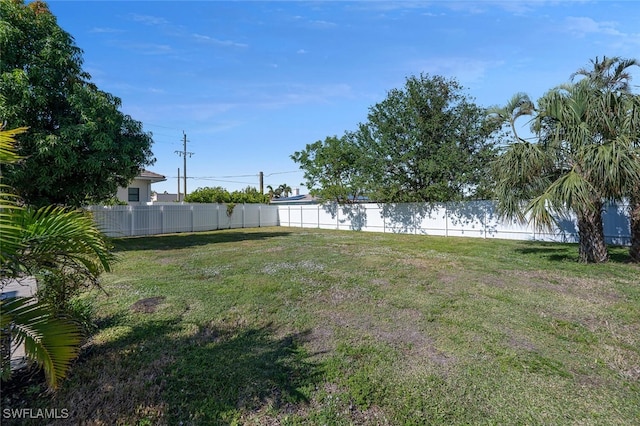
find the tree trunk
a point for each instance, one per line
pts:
(593, 248)
(634, 218)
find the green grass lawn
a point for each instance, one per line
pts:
(298, 326)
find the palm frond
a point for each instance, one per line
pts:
(7, 140)
(614, 166)
(542, 212)
(520, 173)
(53, 233)
(51, 342)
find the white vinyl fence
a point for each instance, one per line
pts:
(126, 221)
(464, 219)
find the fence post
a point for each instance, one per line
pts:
(485, 224)
(131, 220)
(384, 222)
(446, 220)
(162, 219)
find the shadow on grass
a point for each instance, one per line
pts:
(177, 241)
(249, 370)
(146, 374)
(568, 252)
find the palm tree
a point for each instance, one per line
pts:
(518, 106)
(273, 193)
(583, 156)
(284, 189)
(611, 75)
(57, 247)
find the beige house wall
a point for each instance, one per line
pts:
(145, 192)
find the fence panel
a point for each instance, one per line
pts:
(205, 217)
(469, 219)
(477, 219)
(124, 221)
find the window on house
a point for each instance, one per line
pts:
(134, 194)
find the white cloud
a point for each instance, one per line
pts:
(582, 26)
(218, 42)
(465, 70)
(150, 48)
(301, 52)
(313, 23)
(105, 30)
(148, 19)
(322, 24)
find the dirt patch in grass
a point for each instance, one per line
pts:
(321, 341)
(402, 332)
(589, 289)
(147, 305)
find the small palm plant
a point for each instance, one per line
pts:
(53, 245)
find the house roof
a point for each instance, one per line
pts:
(148, 175)
(295, 199)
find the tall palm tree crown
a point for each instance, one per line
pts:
(586, 153)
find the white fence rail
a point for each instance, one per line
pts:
(465, 219)
(127, 221)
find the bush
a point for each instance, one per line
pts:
(249, 195)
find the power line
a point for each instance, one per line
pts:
(158, 125)
(228, 181)
(240, 176)
(282, 173)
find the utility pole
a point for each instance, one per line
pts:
(184, 154)
(261, 182)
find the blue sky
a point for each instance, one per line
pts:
(251, 82)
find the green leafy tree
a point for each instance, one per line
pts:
(80, 146)
(334, 169)
(62, 250)
(585, 153)
(427, 142)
